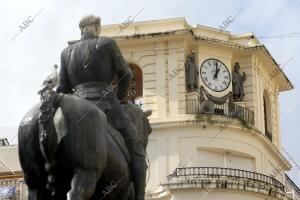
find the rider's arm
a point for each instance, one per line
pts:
(121, 69)
(64, 85)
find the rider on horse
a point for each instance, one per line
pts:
(88, 67)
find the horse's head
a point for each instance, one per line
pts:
(140, 119)
(147, 126)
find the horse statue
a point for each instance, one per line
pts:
(67, 150)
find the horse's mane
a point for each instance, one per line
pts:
(132, 109)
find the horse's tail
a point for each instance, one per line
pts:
(47, 134)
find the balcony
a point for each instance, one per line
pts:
(194, 106)
(292, 188)
(210, 178)
(8, 189)
(225, 172)
(14, 189)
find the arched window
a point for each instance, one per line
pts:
(267, 115)
(135, 90)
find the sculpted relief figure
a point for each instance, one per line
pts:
(237, 83)
(191, 72)
(76, 135)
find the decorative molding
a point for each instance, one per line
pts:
(218, 182)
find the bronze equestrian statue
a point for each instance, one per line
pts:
(70, 144)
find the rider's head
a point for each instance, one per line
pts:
(90, 24)
(237, 66)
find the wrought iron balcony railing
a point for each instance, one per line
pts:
(194, 106)
(228, 172)
(292, 184)
(8, 189)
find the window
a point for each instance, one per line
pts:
(240, 162)
(210, 158)
(135, 90)
(225, 159)
(267, 115)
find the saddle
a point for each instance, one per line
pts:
(115, 135)
(92, 90)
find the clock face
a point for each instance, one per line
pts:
(215, 75)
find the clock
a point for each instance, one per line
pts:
(215, 75)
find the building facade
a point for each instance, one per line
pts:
(12, 185)
(205, 143)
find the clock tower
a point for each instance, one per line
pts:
(216, 123)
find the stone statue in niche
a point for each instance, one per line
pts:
(237, 83)
(191, 73)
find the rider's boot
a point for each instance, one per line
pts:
(139, 170)
(138, 160)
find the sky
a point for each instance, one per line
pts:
(27, 56)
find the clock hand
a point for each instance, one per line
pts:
(217, 71)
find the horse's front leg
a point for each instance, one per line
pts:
(83, 185)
